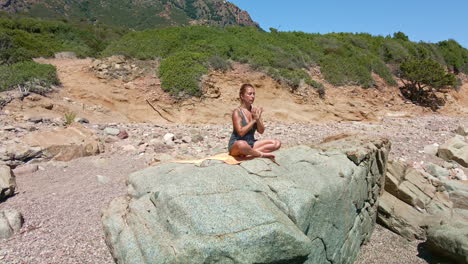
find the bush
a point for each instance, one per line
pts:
(180, 74)
(31, 76)
(317, 86)
(344, 58)
(422, 79)
(219, 64)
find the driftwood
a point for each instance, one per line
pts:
(156, 110)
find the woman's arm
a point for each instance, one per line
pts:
(260, 126)
(237, 123)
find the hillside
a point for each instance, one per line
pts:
(135, 14)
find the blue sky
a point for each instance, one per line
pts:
(421, 20)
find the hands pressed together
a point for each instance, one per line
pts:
(257, 113)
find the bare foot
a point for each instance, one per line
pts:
(267, 155)
(270, 156)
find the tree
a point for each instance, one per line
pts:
(400, 35)
(422, 78)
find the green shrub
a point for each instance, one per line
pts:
(339, 70)
(317, 86)
(422, 78)
(180, 74)
(33, 77)
(401, 36)
(219, 64)
(344, 58)
(455, 56)
(69, 118)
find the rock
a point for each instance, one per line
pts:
(400, 217)
(197, 138)
(128, 148)
(48, 106)
(186, 139)
(431, 149)
(449, 240)
(20, 153)
(163, 157)
(65, 55)
(7, 182)
(112, 131)
(459, 174)
(448, 165)
(26, 169)
(116, 59)
(458, 192)
(65, 144)
(10, 223)
(122, 134)
(35, 119)
(436, 170)
(455, 149)
(412, 201)
(462, 130)
(102, 179)
(319, 205)
(81, 120)
(169, 137)
(9, 128)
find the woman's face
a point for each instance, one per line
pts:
(249, 95)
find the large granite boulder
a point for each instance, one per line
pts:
(450, 239)
(455, 149)
(412, 201)
(65, 144)
(319, 206)
(7, 182)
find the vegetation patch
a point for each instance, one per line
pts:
(181, 73)
(28, 76)
(422, 79)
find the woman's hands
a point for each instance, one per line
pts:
(257, 113)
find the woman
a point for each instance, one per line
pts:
(247, 119)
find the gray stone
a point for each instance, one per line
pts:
(81, 120)
(319, 206)
(450, 240)
(458, 192)
(462, 130)
(168, 138)
(7, 182)
(436, 170)
(431, 149)
(459, 174)
(197, 138)
(112, 131)
(10, 223)
(26, 169)
(455, 149)
(9, 128)
(35, 119)
(412, 201)
(186, 139)
(103, 179)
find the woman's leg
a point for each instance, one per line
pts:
(242, 148)
(267, 145)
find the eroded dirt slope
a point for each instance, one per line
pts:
(106, 101)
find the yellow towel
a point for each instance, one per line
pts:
(228, 159)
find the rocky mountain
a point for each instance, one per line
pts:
(135, 14)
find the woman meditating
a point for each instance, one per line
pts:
(247, 119)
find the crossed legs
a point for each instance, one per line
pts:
(261, 148)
